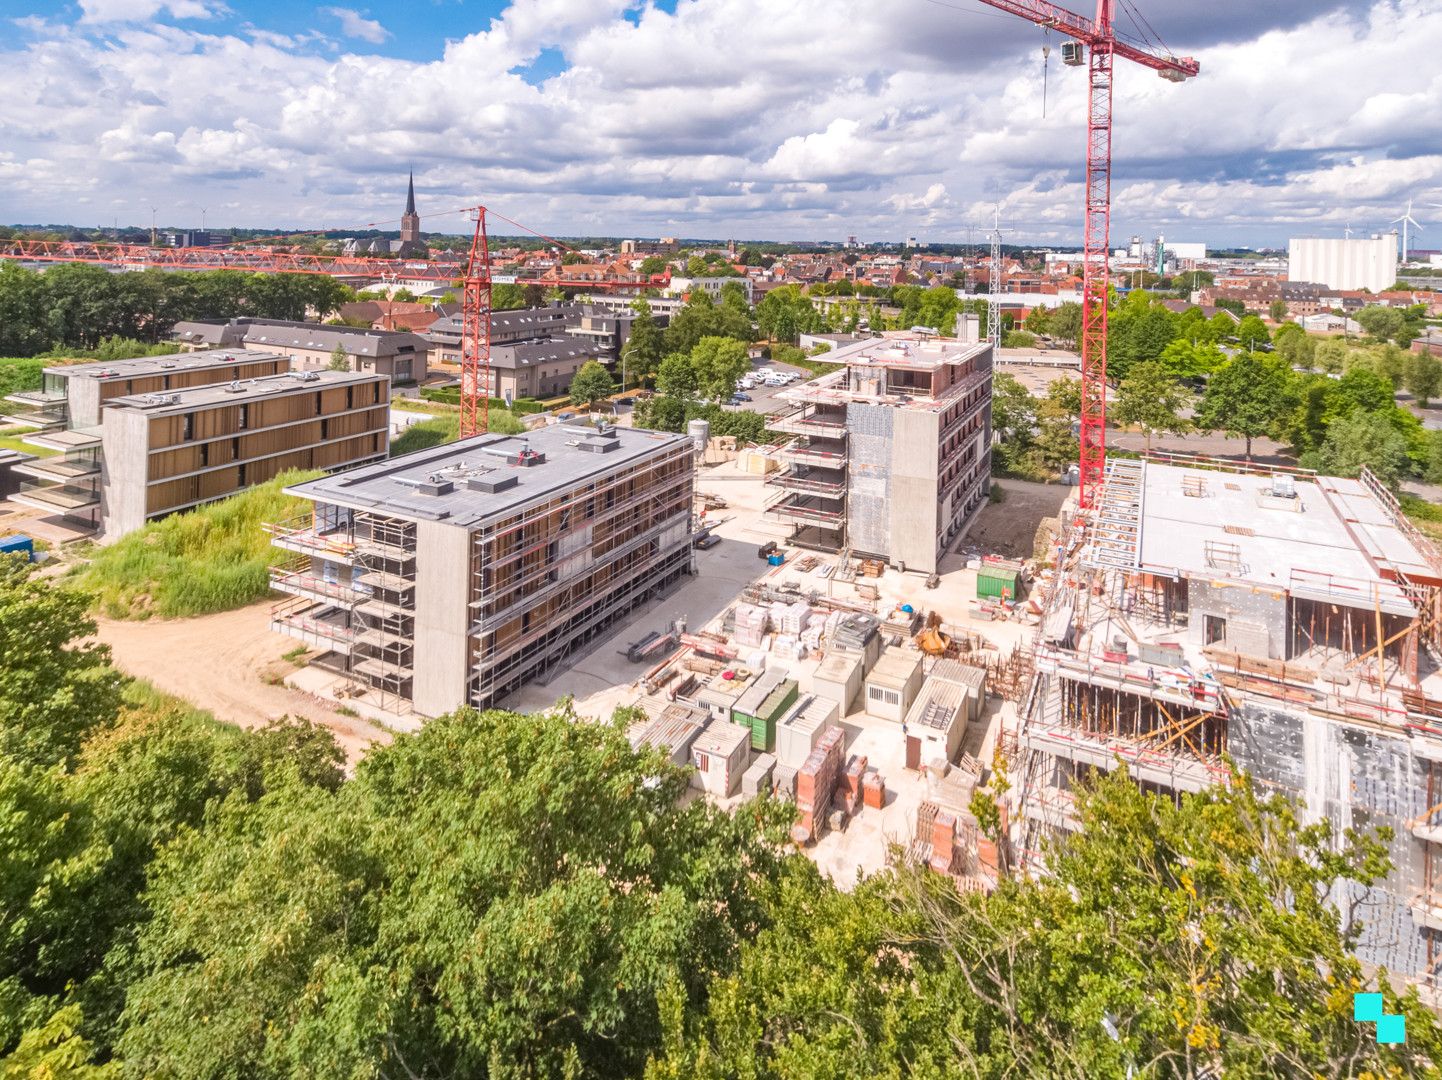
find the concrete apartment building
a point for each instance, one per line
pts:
(139, 439)
(1287, 621)
(454, 575)
(1364, 263)
(890, 457)
(396, 354)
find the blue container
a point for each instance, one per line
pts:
(14, 545)
(775, 560)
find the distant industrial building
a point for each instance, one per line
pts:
(891, 456)
(1364, 263)
(452, 576)
(139, 439)
(398, 355)
(667, 245)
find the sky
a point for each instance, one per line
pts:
(744, 119)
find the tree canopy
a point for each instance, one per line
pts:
(591, 384)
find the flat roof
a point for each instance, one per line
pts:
(1326, 543)
(159, 365)
(394, 487)
(231, 393)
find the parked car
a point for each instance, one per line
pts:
(740, 399)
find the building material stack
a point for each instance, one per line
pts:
(848, 788)
(814, 786)
(873, 789)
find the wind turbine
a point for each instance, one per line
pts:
(1405, 220)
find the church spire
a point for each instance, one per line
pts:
(411, 195)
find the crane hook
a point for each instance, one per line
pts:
(1045, 63)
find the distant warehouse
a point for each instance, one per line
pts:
(137, 439)
(452, 576)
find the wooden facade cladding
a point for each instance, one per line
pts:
(163, 381)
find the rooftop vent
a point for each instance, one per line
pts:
(492, 482)
(306, 376)
(234, 387)
(1283, 486)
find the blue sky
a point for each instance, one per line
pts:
(779, 119)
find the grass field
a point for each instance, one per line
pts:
(10, 440)
(215, 558)
(446, 428)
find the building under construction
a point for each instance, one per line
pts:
(1286, 621)
(451, 576)
(891, 456)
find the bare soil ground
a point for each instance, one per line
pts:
(1009, 527)
(221, 663)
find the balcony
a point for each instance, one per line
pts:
(806, 510)
(823, 483)
(803, 451)
(301, 536)
(302, 579)
(36, 409)
(58, 498)
(60, 469)
(314, 622)
(66, 440)
(808, 420)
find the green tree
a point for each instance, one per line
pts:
(1245, 398)
(1422, 376)
(1295, 346)
(591, 385)
(652, 265)
(718, 363)
(53, 691)
(1363, 438)
(1278, 310)
(646, 342)
(339, 360)
(1153, 400)
(1065, 324)
(1184, 360)
(1331, 354)
(496, 895)
(1253, 333)
(1382, 323)
(1187, 938)
(676, 377)
(57, 1050)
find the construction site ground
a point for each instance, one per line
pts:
(603, 679)
(231, 665)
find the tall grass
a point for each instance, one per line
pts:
(446, 428)
(215, 558)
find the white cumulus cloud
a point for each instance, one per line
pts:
(353, 24)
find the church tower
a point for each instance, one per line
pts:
(410, 220)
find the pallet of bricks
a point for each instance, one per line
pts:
(814, 785)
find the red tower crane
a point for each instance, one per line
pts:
(1097, 38)
(476, 334)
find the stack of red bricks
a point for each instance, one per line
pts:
(943, 842)
(848, 789)
(873, 789)
(814, 785)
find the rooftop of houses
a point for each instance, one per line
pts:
(282, 334)
(155, 365)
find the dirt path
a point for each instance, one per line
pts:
(220, 663)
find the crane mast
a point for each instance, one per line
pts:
(1097, 37)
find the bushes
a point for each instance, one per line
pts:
(215, 558)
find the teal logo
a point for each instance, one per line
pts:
(1367, 1008)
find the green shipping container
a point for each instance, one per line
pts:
(993, 583)
(763, 723)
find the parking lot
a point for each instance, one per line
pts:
(763, 398)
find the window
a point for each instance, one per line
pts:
(244, 418)
(703, 761)
(240, 475)
(325, 429)
(189, 427)
(880, 693)
(350, 397)
(204, 455)
(317, 402)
